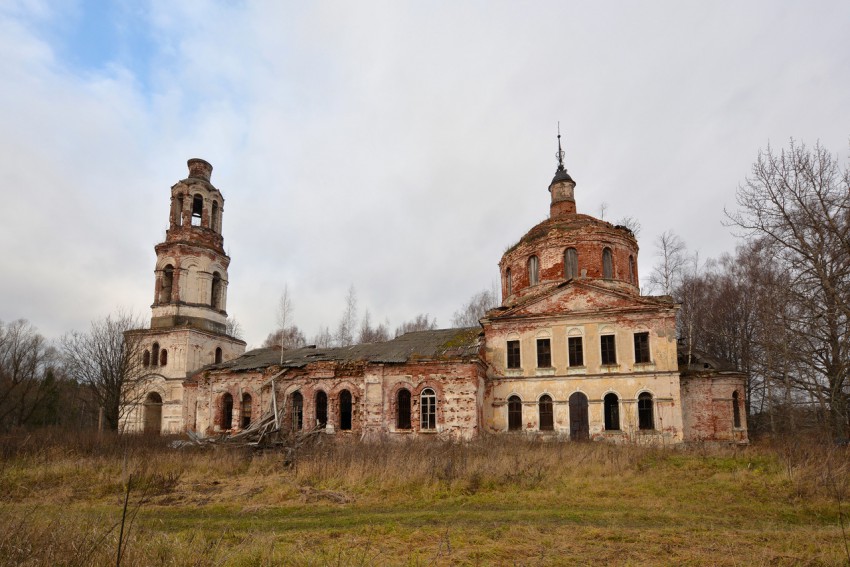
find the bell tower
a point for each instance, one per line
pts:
(188, 327)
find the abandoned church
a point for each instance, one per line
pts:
(573, 351)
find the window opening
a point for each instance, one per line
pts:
(607, 264)
(155, 354)
(345, 410)
(218, 355)
(736, 410)
(533, 270)
(215, 216)
(514, 413)
(544, 353)
(612, 412)
(246, 410)
(609, 349)
(163, 357)
(547, 416)
(215, 291)
(571, 263)
(226, 411)
(321, 409)
(428, 409)
(297, 411)
(197, 210)
(508, 283)
(167, 284)
(576, 351)
(403, 409)
(632, 270)
(146, 358)
(179, 220)
(153, 413)
(513, 354)
(645, 418)
(641, 348)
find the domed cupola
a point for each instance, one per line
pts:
(569, 246)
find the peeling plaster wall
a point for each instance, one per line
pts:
(708, 407)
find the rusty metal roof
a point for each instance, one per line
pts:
(418, 346)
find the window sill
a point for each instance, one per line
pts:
(513, 372)
(550, 371)
(572, 370)
(644, 366)
(609, 368)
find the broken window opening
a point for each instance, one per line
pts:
(570, 263)
(576, 351)
(513, 354)
(428, 409)
(514, 414)
(218, 355)
(609, 350)
(546, 413)
(544, 353)
(607, 264)
(163, 357)
(226, 411)
(155, 354)
(345, 410)
(612, 412)
(146, 358)
(297, 411)
(246, 410)
(533, 270)
(403, 409)
(646, 419)
(736, 411)
(178, 220)
(641, 348)
(167, 284)
(508, 283)
(214, 220)
(197, 210)
(321, 409)
(215, 291)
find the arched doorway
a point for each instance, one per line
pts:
(153, 414)
(579, 424)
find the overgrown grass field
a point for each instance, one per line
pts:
(497, 501)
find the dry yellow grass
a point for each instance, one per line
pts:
(498, 501)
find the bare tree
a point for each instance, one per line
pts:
(630, 223)
(109, 360)
(672, 260)
(474, 309)
(289, 338)
(324, 338)
(421, 322)
(27, 373)
(344, 335)
(233, 328)
(798, 203)
(370, 334)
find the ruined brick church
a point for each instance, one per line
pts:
(574, 350)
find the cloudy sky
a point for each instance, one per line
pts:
(399, 147)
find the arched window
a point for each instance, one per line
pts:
(570, 263)
(612, 412)
(533, 270)
(297, 411)
(402, 420)
(214, 220)
(226, 411)
(736, 410)
(509, 285)
(547, 417)
(607, 264)
(646, 419)
(514, 414)
(215, 292)
(632, 271)
(197, 210)
(428, 409)
(155, 354)
(163, 357)
(321, 409)
(218, 355)
(246, 410)
(167, 284)
(345, 410)
(178, 221)
(146, 359)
